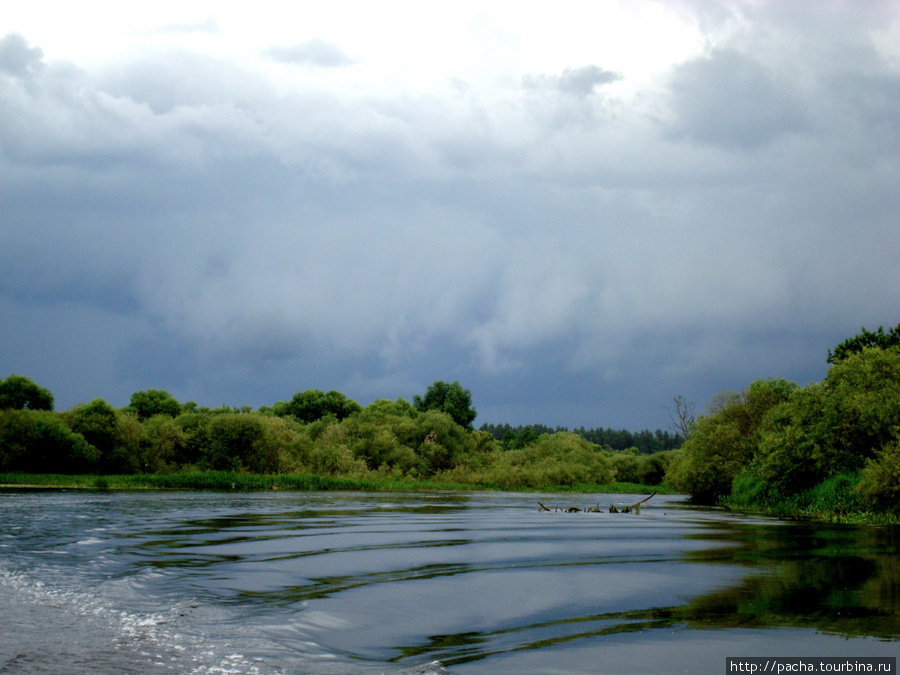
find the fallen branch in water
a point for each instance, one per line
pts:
(636, 508)
(628, 509)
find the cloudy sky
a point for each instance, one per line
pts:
(577, 212)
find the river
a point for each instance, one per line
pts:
(363, 583)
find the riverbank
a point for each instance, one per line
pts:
(224, 480)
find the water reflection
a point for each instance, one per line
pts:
(839, 580)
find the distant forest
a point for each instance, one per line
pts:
(647, 442)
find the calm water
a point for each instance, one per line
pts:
(186, 582)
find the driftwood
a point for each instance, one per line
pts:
(634, 508)
(628, 509)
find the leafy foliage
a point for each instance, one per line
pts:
(562, 458)
(880, 483)
(20, 393)
(325, 434)
(40, 441)
(448, 398)
(827, 448)
(313, 404)
(864, 339)
(146, 404)
(725, 442)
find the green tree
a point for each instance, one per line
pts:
(195, 427)
(237, 442)
(864, 339)
(38, 441)
(833, 427)
(20, 393)
(725, 442)
(448, 398)
(164, 444)
(109, 431)
(146, 404)
(313, 404)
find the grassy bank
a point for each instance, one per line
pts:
(224, 480)
(835, 500)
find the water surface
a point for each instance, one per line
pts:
(202, 582)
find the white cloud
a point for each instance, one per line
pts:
(314, 52)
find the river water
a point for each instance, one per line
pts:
(289, 582)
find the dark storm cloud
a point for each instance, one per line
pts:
(181, 223)
(317, 53)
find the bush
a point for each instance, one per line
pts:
(196, 447)
(110, 432)
(880, 479)
(237, 443)
(652, 469)
(627, 467)
(37, 441)
(164, 444)
(555, 459)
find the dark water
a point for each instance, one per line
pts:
(165, 582)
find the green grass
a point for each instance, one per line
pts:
(222, 480)
(835, 500)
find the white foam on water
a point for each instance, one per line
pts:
(55, 627)
(48, 624)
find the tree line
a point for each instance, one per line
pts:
(646, 441)
(315, 432)
(827, 447)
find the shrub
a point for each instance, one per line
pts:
(880, 480)
(40, 442)
(652, 469)
(237, 443)
(195, 427)
(555, 459)
(627, 467)
(164, 445)
(110, 432)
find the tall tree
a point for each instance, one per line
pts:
(448, 398)
(313, 404)
(152, 402)
(20, 393)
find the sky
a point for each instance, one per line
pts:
(577, 212)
